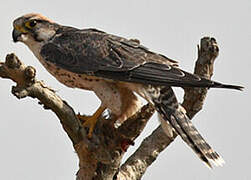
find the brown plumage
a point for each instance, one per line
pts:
(115, 67)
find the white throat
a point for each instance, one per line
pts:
(33, 45)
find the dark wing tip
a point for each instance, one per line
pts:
(227, 86)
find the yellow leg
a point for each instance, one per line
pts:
(91, 121)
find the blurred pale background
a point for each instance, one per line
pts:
(33, 144)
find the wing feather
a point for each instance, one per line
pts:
(108, 56)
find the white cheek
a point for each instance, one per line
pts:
(45, 34)
(24, 38)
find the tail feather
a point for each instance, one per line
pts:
(227, 86)
(167, 106)
(198, 141)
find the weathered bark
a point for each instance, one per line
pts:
(100, 157)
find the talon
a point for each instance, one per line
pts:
(82, 118)
(90, 121)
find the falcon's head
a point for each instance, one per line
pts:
(32, 28)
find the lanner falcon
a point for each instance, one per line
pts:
(114, 68)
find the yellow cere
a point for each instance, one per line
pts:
(21, 29)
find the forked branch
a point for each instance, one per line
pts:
(100, 157)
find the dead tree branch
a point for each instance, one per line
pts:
(100, 157)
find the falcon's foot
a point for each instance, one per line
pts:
(90, 121)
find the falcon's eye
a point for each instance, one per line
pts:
(31, 24)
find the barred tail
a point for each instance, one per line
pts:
(174, 114)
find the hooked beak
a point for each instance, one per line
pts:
(16, 34)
